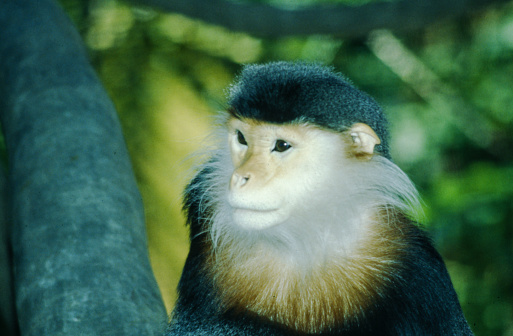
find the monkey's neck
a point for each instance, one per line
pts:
(265, 282)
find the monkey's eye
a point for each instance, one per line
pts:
(241, 139)
(281, 146)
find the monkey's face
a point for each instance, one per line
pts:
(276, 168)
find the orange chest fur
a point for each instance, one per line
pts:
(312, 298)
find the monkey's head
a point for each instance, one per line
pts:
(293, 131)
(306, 157)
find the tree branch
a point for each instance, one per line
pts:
(79, 239)
(341, 20)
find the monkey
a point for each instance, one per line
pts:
(301, 224)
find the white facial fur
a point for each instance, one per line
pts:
(316, 198)
(276, 167)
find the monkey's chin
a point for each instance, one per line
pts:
(258, 219)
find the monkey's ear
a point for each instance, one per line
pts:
(364, 139)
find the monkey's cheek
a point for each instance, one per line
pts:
(258, 219)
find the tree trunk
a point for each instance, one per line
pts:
(80, 256)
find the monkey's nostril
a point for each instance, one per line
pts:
(239, 180)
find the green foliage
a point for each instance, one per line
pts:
(447, 90)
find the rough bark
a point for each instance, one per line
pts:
(80, 256)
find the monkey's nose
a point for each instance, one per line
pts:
(238, 180)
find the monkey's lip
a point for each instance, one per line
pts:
(254, 210)
(251, 207)
(257, 219)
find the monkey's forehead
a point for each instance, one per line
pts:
(285, 92)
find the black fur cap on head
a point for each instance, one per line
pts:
(284, 92)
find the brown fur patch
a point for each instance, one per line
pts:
(338, 288)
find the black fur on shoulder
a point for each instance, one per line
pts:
(284, 92)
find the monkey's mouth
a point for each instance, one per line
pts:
(257, 219)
